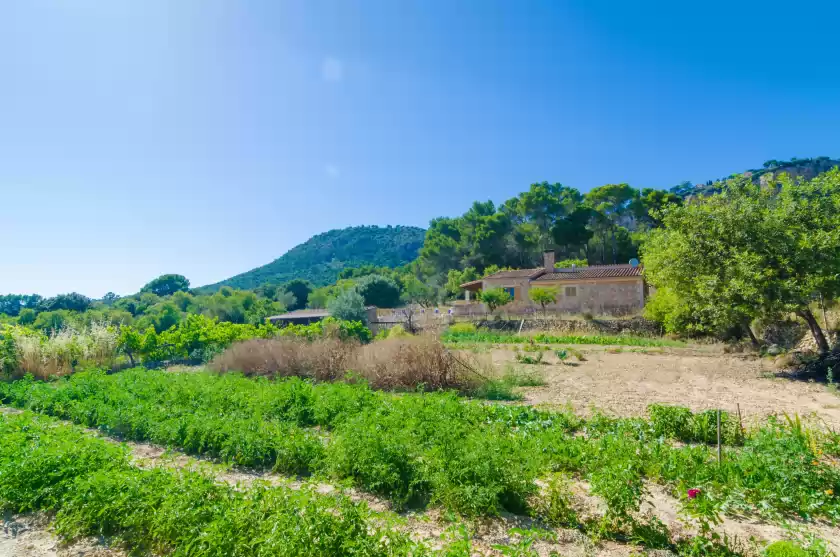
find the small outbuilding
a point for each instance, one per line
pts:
(308, 316)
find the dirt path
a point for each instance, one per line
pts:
(626, 383)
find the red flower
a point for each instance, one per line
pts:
(693, 493)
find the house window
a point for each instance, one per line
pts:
(571, 291)
(511, 291)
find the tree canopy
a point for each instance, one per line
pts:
(166, 285)
(751, 251)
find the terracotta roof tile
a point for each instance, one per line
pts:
(593, 272)
(516, 273)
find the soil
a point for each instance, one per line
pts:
(30, 536)
(624, 384)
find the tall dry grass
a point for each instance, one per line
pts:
(403, 363)
(324, 359)
(61, 352)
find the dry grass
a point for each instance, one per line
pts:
(61, 352)
(324, 359)
(403, 363)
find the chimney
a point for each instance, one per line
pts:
(548, 260)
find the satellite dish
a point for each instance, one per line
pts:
(634, 262)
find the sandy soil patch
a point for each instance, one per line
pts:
(626, 383)
(30, 536)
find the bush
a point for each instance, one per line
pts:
(348, 306)
(60, 353)
(379, 291)
(325, 359)
(329, 327)
(462, 328)
(402, 363)
(680, 423)
(408, 363)
(785, 549)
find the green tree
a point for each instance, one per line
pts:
(379, 291)
(300, 289)
(70, 302)
(494, 298)
(752, 251)
(543, 296)
(348, 306)
(109, 298)
(26, 316)
(166, 285)
(613, 201)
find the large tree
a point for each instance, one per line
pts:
(752, 251)
(612, 202)
(166, 285)
(301, 289)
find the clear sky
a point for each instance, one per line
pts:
(207, 137)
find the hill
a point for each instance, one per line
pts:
(795, 167)
(322, 257)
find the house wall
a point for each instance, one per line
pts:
(616, 295)
(520, 286)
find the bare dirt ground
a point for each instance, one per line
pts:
(626, 382)
(30, 536)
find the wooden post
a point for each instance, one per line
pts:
(720, 456)
(740, 421)
(520, 326)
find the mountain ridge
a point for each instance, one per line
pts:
(323, 256)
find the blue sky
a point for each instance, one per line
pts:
(207, 137)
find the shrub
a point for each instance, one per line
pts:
(680, 423)
(329, 327)
(407, 363)
(785, 549)
(325, 359)
(494, 298)
(462, 328)
(379, 291)
(61, 352)
(348, 306)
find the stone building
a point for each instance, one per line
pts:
(598, 289)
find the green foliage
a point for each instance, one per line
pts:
(300, 289)
(785, 549)
(542, 295)
(166, 285)
(435, 448)
(680, 423)
(675, 316)
(68, 302)
(771, 249)
(13, 304)
(321, 258)
(348, 306)
(94, 489)
(53, 320)
(379, 291)
(329, 327)
(494, 298)
(197, 338)
(567, 263)
(462, 328)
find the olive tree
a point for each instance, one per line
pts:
(543, 296)
(751, 251)
(494, 298)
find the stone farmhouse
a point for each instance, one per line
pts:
(598, 289)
